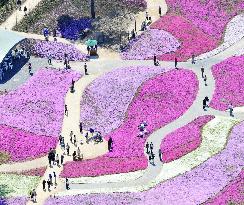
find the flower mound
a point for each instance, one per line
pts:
(38, 105)
(151, 42)
(106, 100)
(209, 16)
(103, 165)
(183, 140)
(56, 50)
(23, 145)
(229, 78)
(159, 101)
(192, 39)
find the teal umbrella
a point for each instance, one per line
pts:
(91, 42)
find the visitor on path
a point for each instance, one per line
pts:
(151, 158)
(202, 71)
(57, 160)
(34, 195)
(230, 108)
(88, 50)
(110, 144)
(19, 4)
(51, 179)
(75, 140)
(205, 80)
(147, 148)
(74, 156)
(193, 61)
(25, 10)
(160, 11)
(160, 155)
(49, 59)
(71, 137)
(67, 149)
(62, 159)
(30, 68)
(67, 184)
(72, 87)
(78, 153)
(48, 185)
(60, 139)
(66, 110)
(55, 178)
(81, 128)
(146, 15)
(205, 103)
(176, 62)
(133, 34)
(85, 68)
(44, 185)
(50, 160)
(151, 146)
(155, 62)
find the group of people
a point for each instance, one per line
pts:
(53, 158)
(52, 180)
(149, 151)
(19, 2)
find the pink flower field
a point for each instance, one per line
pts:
(193, 187)
(22, 145)
(209, 16)
(104, 165)
(151, 42)
(229, 78)
(38, 105)
(159, 101)
(180, 142)
(191, 38)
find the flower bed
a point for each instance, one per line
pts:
(38, 105)
(103, 165)
(14, 201)
(18, 185)
(229, 77)
(106, 99)
(194, 187)
(209, 16)
(180, 142)
(232, 193)
(151, 42)
(192, 39)
(153, 104)
(21, 145)
(56, 50)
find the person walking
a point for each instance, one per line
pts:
(71, 137)
(67, 148)
(81, 128)
(60, 139)
(193, 59)
(147, 147)
(57, 160)
(78, 153)
(67, 184)
(19, 4)
(160, 11)
(202, 71)
(146, 15)
(55, 178)
(160, 155)
(152, 157)
(205, 103)
(205, 80)
(74, 156)
(110, 144)
(34, 195)
(49, 59)
(51, 179)
(48, 185)
(66, 110)
(30, 68)
(176, 62)
(25, 10)
(75, 140)
(151, 146)
(44, 185)
(230, 107)
(62, 159)
(85, 68)
(50, 159)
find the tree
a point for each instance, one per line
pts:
(93, 15)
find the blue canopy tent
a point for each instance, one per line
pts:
(8, 40)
